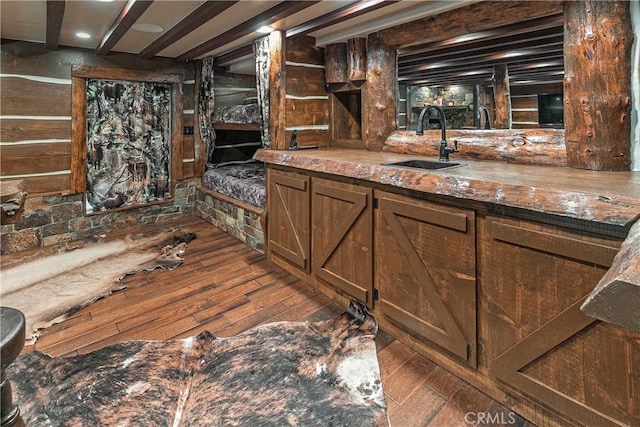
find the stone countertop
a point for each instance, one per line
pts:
(604, 197)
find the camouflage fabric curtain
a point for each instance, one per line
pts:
(206, 104)
(261, 51)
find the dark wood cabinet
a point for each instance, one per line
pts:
(425, 257)
(493, 299)
(539, 343)
(342, 237)
(288, 217)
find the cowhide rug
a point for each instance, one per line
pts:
(280, 374)
(51, 288)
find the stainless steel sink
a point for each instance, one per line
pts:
(423, 164)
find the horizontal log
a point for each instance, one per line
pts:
(46, 184)
(303, 49)
(616, 297)
(305, 81)
(24, 97)
(300, 112)
(15, 130)
(35, 158)
(187, 147)
(188, 170)
(530, 146)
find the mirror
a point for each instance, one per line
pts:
(456, 74)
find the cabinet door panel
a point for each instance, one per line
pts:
(288, 224)
(535, 278)
(342, 237)
(425, 271)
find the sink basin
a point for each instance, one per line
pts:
(423, 164)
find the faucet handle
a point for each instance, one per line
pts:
(455, 143)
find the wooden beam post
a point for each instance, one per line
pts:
(379, 100)
(502, 96)
(357, 59)
(597, 102)
(335, 60)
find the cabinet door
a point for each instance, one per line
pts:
(534, 278)
(342, 218)
(288, 210)
(425, 272)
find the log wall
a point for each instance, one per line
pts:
(306, 99)
(36, 111)
(597, 84)
(597, 100)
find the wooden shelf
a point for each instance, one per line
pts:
(237, 126)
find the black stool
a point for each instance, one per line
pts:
(11, 344)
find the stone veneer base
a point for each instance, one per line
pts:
(58, 219)
(240, 223)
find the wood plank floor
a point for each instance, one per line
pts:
(225, 287)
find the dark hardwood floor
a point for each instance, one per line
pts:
(225, 287)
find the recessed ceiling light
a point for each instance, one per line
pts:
(265, 29)
(83, 35)
(148, 28)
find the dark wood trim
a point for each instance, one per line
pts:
(78, 134)
(197, 18)
(342, 14)
(245, 206)
(276, 13)
(79, 74)
(237, 126)
(55, 14)
(91, 72)
(553, 244)
(123, 22)
(454, 23)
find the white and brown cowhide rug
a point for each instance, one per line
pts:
(280, 374)
(49, 289)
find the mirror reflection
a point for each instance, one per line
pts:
(459, 74)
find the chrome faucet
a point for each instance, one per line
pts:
(444, 149)
(487, 123)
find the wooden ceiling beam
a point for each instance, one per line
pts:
(542, 36)
(207, 11)
(268, 17)
(342, 14)
(499, 57)
(523, 29)
(55, 14)
(494, 52)
(123, 22)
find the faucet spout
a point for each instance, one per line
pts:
(441, 117)
(487, 122)
(444, 149)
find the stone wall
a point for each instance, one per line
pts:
(51, 220)
(240, 223)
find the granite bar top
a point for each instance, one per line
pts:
(604, 197)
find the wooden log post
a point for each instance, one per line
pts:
(597, 103)
(379, 101)
(335, 63)
(277, 92)
(502, 96)
(357, 59)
